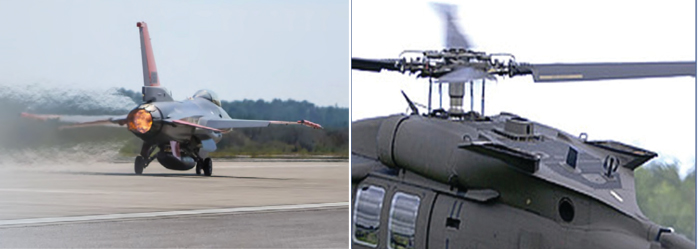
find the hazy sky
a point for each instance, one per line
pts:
(654, 114)
(239, 49)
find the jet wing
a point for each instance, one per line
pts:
(242, 123)
(182, 122)
(75, 121)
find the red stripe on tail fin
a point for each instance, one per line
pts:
(150, 73)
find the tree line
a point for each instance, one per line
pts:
(18, 133)
(666, 198)
(277, 109)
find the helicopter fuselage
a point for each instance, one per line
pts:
(494, 182)
(446, 218)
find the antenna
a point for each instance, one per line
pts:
(471, 83)
(412, 106)
(429, 97)
(483, 98)
(440, 95)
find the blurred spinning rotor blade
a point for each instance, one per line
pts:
(464, 74)
(375, 65)
(609, 71)
(454, 37)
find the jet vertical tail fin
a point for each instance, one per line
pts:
(152, 91)
(150, 73)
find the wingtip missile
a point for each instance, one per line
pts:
(310, 124)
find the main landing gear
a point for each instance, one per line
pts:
(143, 159)
(140, 164)
(205, 165)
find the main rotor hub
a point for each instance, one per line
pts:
(437, 63)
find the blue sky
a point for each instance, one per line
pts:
(240, 49)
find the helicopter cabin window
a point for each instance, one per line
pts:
(367, 215)
(401, 221)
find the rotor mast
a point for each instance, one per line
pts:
(459, 64)
(456, 98)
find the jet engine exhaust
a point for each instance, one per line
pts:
(140, 121)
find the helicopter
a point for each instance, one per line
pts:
(178, 134)
(454, 178)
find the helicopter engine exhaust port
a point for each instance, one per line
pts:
(402, 143)
(448, 156)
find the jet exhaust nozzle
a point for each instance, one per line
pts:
(144, 121)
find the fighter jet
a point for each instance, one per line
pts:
(183, 132)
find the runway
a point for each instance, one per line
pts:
(245, 204)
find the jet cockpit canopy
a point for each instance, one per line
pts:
(209, 95)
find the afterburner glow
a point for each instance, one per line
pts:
(140, 121)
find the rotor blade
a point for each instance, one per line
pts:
(608, 71)
(375, 65)
(454, 37)
(464, 74)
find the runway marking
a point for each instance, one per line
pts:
(58, 191)
(278, 166)
(170, 213)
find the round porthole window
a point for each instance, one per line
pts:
(566, 210)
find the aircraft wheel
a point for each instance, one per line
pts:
(139, 164)
(199, 166)
(207, 166)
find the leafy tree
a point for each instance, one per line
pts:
(331, 117)
(666, 199)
